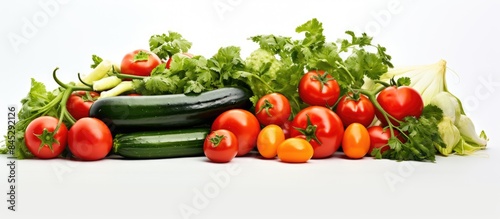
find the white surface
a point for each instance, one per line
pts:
(464, 33)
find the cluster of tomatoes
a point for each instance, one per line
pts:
(89, 138)
(329, 123)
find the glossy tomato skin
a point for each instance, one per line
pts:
(35, 131)
(356, 141)
(89, 139)
(273, 108)
(329, 129)
(268, 140)
(318, 88)
(241, 123)
(355, 111)
(379, 138)
(295, 150)
(399, 102)
(220, 146)
(79, 103)
(139, 68)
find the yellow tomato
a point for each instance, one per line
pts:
(295, 150)
(356, 141)
(268, 140)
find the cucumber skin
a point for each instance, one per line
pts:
(138, 113)
(161, 144)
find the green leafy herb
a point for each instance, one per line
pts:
(166, 46)
(38, 102)
(97, 60)
(421, 137)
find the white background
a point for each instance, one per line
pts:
(464, 33)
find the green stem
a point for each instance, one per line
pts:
(127, 76)
(346, 70)
(385, 84)
(65, 86)
(371, 96)
(83, 82)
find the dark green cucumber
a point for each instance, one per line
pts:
(161, 144)
(168, 111)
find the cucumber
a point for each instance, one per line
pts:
(158, 112)
(161, 144)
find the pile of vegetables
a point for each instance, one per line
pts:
(295, 99)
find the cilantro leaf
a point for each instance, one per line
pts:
(364, 40)
(421, 138)
(166, 46)
(226, 62)
(97, 60)
(314, 33)
(403, 81)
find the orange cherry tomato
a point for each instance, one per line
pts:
(356, 141)
(268, 140)
(295, 150)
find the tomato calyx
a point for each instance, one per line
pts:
(87, 97)
(141, 56)
(310, 131)
(216, 140)
(266, 106)
(47, 138)
(353, 95)
(322, 78)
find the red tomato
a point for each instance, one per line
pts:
(79, 103)
(268, 140)
(167, 65)
(399, 102)
(351, 110)
(356, 141)
(220, 146)
(41, 140)
(380, 137)
(318, 88)
(273, 108)
(139, 62)
(89, 139)
(321, 127)
(243, 124)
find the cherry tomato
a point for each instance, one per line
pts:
(268, 140)
(89, 139)
(42, 141)
(356, 141)
(321, 127)
(139, 62)
(399, 102)
(273, 108)
(379, 138)
(318, 88)
(79, 103)
(220, 146)
(295, 150)
(355, 109)
(243, 124)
